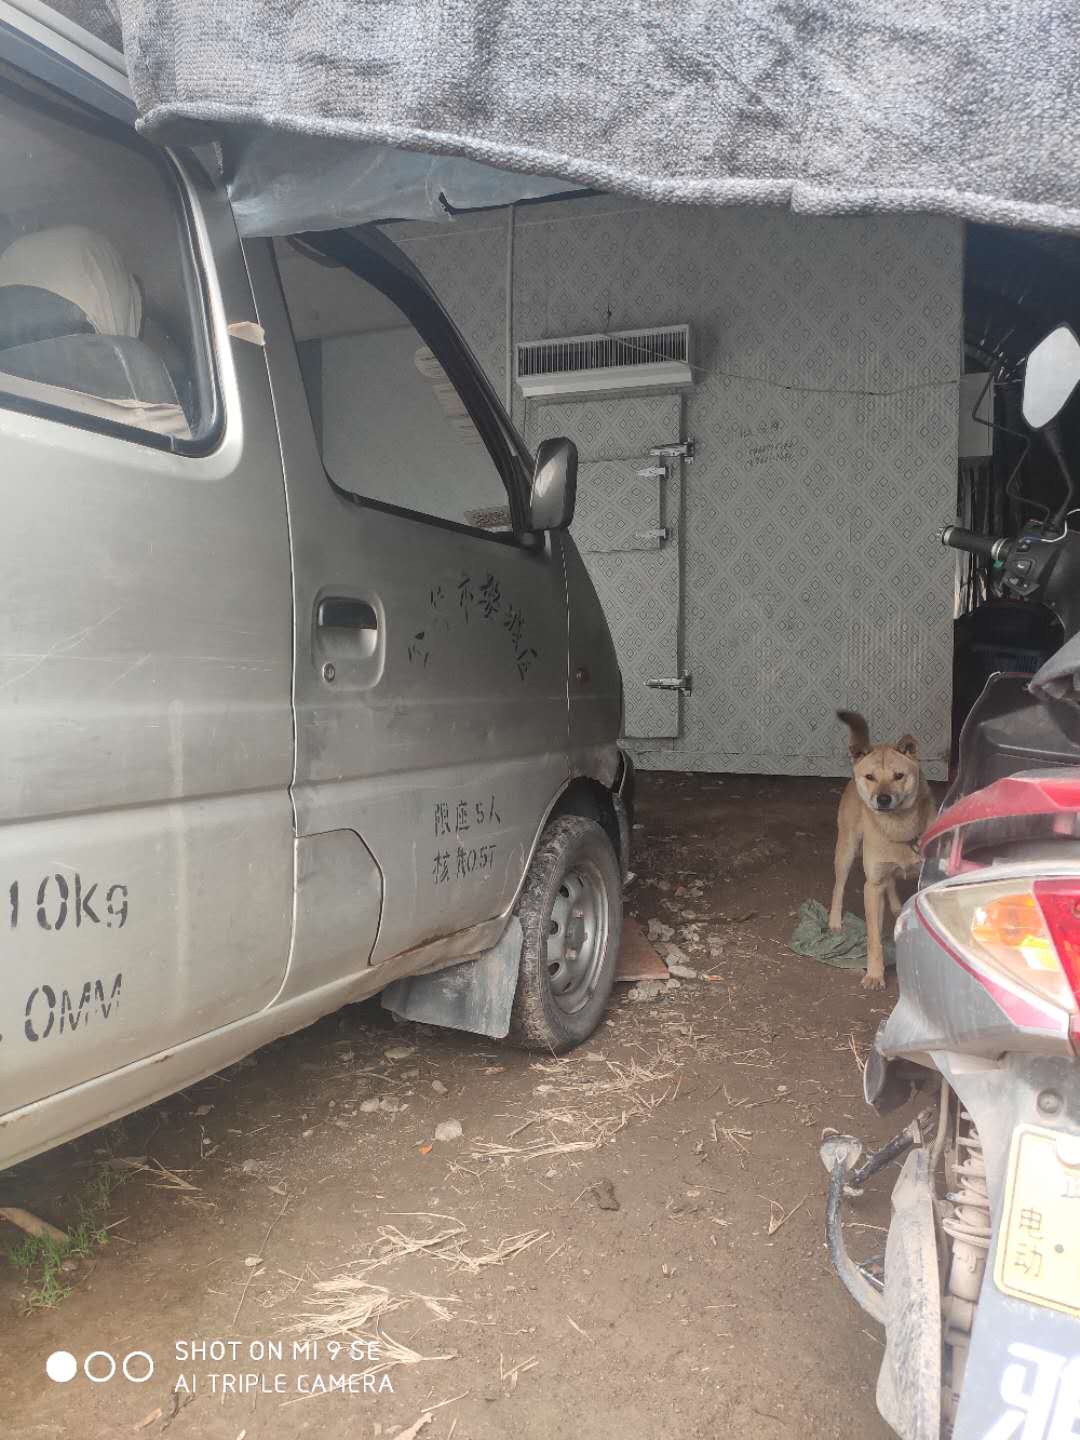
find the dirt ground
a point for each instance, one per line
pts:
(592, 1258)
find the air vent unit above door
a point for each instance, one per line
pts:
(622, 360)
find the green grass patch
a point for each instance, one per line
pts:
(42, 1258)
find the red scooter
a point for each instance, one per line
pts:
(980, 1293)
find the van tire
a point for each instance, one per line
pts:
(570, 912)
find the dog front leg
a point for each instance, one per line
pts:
(847, 846)
(894, 896)
(874, 905)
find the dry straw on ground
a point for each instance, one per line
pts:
(589, 1104)
(351, 1305)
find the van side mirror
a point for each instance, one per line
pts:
(1051, 375)
(554, 485)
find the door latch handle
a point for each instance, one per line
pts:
(684, 684)
(681, 450)
(340, 612)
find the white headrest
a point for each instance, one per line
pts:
(84, 267)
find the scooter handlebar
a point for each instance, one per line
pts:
(990, 547)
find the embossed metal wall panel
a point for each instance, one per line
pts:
(618, 507)
(825, 415)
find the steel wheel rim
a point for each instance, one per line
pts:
(578, 926)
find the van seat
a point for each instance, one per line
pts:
(112, 366)
(28, 314)
(112, 376)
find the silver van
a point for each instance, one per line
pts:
(305, 693)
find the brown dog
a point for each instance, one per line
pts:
(884, 809)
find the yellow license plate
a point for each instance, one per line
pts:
(1038, 1255)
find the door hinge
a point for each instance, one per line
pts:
(653, 472)
(682, 450)
(660, 534)
(683, 683)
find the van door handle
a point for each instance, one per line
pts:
(340, 612)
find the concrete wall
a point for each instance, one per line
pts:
(825, 416)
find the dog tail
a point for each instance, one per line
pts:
(858, 733)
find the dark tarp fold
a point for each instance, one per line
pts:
(281, 183)
(961, 107)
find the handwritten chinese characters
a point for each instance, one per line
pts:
(473, 602)
(462, 830)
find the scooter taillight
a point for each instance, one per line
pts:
(1030, 806)
(1059, 901)
(1020, 939)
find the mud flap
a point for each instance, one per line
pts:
(889, 1084)
(477, 995)
(909, 1383)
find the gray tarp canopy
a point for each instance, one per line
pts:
(960, 107)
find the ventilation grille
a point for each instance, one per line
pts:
(625, 359)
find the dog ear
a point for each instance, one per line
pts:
(907, 746)
(858, 733)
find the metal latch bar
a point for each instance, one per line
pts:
(683, 683)
(679, 450)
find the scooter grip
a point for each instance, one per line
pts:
(990, 547)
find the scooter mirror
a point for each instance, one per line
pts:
(1052, 374)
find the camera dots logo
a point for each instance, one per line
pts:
(100, 1366)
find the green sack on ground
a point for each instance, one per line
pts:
(846, 949)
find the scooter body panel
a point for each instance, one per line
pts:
(1023, 1372)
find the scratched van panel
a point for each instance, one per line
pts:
(146, 836)
(454, 702)
(119, 939)
(466, 713)
(145, 615)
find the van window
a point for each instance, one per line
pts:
(391, 424)
(102, 320)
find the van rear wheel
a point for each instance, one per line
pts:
(570, 911)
